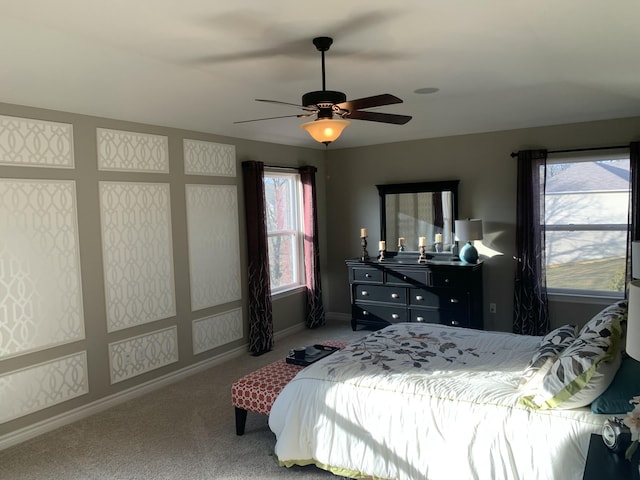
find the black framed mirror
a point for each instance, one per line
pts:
(409, 211)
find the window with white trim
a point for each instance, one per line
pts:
(586, 220)
(283, 197)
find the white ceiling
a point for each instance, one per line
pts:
(199, 64)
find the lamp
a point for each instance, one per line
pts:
(325, 130)
(467, 231)
(633, 320)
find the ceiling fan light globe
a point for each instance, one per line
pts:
(325, 130)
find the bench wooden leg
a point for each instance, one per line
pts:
(241, 420)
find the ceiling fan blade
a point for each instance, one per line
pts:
(379, 117)
(369, 102)
(282, 39)
(308, 109)
(301, 115)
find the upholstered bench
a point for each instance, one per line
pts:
(256, 391)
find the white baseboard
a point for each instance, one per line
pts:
(21, 435)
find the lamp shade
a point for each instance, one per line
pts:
(469, 229)
(633, 320)
(325, 130)
(635, 259)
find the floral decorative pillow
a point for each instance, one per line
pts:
(585, 369)
(551, 345)
(615, 311)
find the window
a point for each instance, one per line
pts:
(284, 230)
(586, 222)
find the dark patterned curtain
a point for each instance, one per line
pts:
(260, 314)
(315, 309)
(531, 308)
(633, 233)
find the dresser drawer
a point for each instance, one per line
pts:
(451, 277)
(380, 293)
(444, 317)
(443, 298)
(370, 275)
(408, 277)
(380, 313)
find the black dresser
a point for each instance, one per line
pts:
(403, 290)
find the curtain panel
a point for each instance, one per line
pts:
(633, 234)
(531, 307)
(634, 180)
(315, 309)
(260, 310)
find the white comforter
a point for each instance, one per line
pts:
(423, 401)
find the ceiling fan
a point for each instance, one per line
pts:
(326, 104)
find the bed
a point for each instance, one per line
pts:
(425, 401)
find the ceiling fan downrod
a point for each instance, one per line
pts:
(323, 44)
(323, 99)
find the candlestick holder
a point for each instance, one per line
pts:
(437, 247)
(423, 257)
(364, 255)
(381, 256)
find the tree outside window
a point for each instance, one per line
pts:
(284, 231)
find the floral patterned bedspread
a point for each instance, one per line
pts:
(397, 403)
(396, 349)
(404, 356)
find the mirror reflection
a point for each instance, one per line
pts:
(410, 211)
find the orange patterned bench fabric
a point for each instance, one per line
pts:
(256, 391)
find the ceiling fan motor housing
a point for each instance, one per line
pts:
(323, 97)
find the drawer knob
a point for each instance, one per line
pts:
(364, 312)
(395, 295)
(455, 323)
(395, 316)
(454, 300)
(419, 319)
(364, 293)
(446, 280)
(367, 275)
(419, 298)
(404, 277)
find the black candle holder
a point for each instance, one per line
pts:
(423, 257)
(364, 255)
(381, 256)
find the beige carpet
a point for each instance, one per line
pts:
(183, 431)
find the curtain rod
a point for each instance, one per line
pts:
(278, 167)
(568, 150)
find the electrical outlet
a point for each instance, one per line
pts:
(492, 308)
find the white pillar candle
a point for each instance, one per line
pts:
(382, 245)
(438, 238)
(363, 232)
(401, 241)
(422, 242)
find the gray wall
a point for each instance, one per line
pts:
(487, 190)
(288, 310)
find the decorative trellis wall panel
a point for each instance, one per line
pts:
(136, 355)
(137, 253)
(216, 330)
(209, 158)
(133, 152)
(35, 143)
(214, 255)
(40, 287)
(40, 386)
